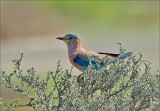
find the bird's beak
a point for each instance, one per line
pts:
(60, 38)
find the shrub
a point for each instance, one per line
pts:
(124, 85)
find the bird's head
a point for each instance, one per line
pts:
(69, 39)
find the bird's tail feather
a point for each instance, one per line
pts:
(124, 55)
(121, 57)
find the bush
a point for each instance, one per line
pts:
(124, 85)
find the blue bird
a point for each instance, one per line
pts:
(80, 58)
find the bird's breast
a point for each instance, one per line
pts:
(72, 53)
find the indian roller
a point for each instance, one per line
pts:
(80, 58)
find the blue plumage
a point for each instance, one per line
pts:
(124, 55)
(81, 62)
(85, 62)
(71, 35)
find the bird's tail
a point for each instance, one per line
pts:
(124, 55)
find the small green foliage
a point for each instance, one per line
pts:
(124, 85)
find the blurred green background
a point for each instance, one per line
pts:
(32, 27)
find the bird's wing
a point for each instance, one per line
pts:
(109, 54)
(83, 59)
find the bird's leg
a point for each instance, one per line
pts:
(80, 78)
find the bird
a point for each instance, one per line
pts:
(80, 58)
